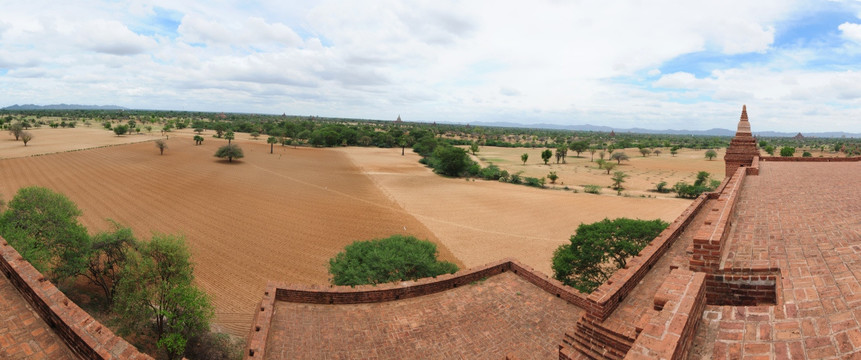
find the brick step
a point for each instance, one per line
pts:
(597, 342)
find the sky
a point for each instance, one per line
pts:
(657, 64)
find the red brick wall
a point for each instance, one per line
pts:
(85, 336)
(739, 289)
(709, 240)
(812, 159)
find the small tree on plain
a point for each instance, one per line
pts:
(272, 141)
(107, 255)
(552, 176)
(645, 151)
(657, 152)
(230, 152)
(619, 156)
(711, 154)
(609, 166)
(255, 135)
(674, 150)
(546, 155)
(121, 129)
(524, 157)
(198, 139)
(473, 147)
(161, 145)
(229, 136)
(787, 151)
(26, 136)
(618, 179)
(16, 129)
(769, 150)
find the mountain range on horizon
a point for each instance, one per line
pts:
(584, 127)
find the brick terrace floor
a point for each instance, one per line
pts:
(804, 218)
(642, 297)
(486, 320)
(23, 334)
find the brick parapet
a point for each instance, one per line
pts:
(85, 337)
(709, 241)
(608, 296)
(317, 294)
(811, 159)
(667, 330)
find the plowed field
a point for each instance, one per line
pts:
(267, 217)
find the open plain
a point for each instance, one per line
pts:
(283, 215)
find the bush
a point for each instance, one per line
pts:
(395, 258)
(787, 151)
(552, 176)
(599, 249)
(515, 178)
(687, 191)
(662, 187)
(806, 154)
(229, 151)
(535, 182)
(492, 172)
(592, 189)
(449, 160)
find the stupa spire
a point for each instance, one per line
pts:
(742, 147)
(743, 124)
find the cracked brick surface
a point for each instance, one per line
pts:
(504, 315)
(802, 218)
(23, 334)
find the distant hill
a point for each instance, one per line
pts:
(710, 132)
(63, 107)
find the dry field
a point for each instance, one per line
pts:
(279, 216)
(47, 140)
(644, 172)
(483, 221)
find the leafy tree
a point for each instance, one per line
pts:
(769, 150)
(546, 155)
(43, 226)
(121, 129)
(229, 136)
(618, 179)
(198, 130)
(473, 147)
(602, 154)
(131, 124)
(198, 139)
(674, 150)
(220, 128)
(561, 152)
(395, 258)
(619, 156)
(524, 157)
(161, 145)
(645, 152)
(552, 176)
(272, 141)
(26, 136)
(107, 253)
(806, 154)
(156, 295)
(787, 151)
(657, 152)
(711, 154)
(579, 147)
(255, 135)
(425, 145)
(16, 129)
(230, 152)
(661, 187)
(449, 160)
(599, 249)
(592, 150)
(609, 166)
(685, 190)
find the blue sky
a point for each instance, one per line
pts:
(658, 64)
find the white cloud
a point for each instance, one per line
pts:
(110, 37)
(851, 31)
(251, 31)
(678, 80)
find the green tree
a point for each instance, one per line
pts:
(806, 154)
(255, 135)
(645, 152)
(43, 227)
(473, 147)
(107, 253)
(26, 136)
(579, 147)
(599, 249)
(619, 156)
(674, 150)
(121, 129)
(609, 166)
(272, 141)
(230, 152)
(561, 152)
(16, 129)
(618, 179)
(546, 155)
(787, 151)
(552, 176)
(161, 145)
(229, 136)
(395, 258)
(769, 150)
(449, 160)
(220, 128)
(524, 157)
(156, 295)
(711, 154)
(198, 139)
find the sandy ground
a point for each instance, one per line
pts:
(47, 140)
(644, 172)
(483, 221)
(275, 216)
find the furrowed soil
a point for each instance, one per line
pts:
(47, 140)
(278, 216)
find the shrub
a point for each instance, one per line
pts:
(515, 178)
(229, 151)
(806, 154)
(491, 172)
(552, 176)
(787, 151)
(535, 182)
(449, 160)
(592, 189)
(395, 258)
(662, 187)
(599, 249)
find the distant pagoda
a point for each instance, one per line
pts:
(612, 133)
(798, 137)
(398, 121)
(742, 149)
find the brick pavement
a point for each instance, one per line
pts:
(23, 334)
(502, 315)
(801, 218)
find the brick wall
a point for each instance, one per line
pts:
(668, 330)
(614, 290)
(708, 242)
(85, 336)
(740, 289)
(812, 159)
